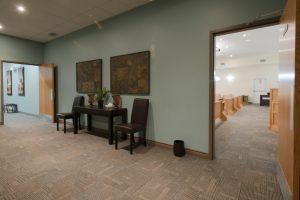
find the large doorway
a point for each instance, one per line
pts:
(28, 90)
(246, 87)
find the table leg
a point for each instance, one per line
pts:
(75, 123)
(124, 117)
(110, 130)
(124, 121)
(89, 118)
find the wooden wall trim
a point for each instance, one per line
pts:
(188, 151)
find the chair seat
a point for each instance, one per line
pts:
(129, 127)
(65, 115)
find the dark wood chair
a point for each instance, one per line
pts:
(138, 122)
(78, 101)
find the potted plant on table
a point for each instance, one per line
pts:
(101, 95)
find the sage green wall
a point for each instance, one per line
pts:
(177, 33)
(19, 50)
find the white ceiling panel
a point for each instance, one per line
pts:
(59, 16)
(251, 47)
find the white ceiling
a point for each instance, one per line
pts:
(247, 48)
(59, 16)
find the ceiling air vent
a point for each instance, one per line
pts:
(52, 34)
(263, 60)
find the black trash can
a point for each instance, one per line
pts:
(178, 148)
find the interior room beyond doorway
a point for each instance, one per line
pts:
(246, 89)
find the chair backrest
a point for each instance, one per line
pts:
(78, 101)
(117, 101)
(139, 113)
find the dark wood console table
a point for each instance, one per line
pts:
(110, 113)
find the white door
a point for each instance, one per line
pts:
(259, 88)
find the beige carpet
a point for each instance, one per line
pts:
(37, 162)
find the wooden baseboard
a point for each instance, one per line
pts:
(188, 151)
(160, 144)
(284, 186)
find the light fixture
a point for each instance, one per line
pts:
(244, 35)
(221, 39)
(1, 27)
(217, 78)
(21, 8)
(230, 55)
(230, 78)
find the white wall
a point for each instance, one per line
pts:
(30, 102)
(244, 76)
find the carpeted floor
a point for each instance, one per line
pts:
(37, 162)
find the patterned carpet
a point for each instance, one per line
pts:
(37, 162)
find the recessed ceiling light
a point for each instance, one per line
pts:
(221, 39)
(1, 27)
(227, 46)
(230, 55)
(21, 8)
(230, 78)
(217, 78)
(244, 35)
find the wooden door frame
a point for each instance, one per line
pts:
(2, 86)
(213, 34)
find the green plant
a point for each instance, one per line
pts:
(101, 94)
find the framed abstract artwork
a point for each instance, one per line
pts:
(130, 74)
(88, 76)
(21, 82)
(9, 82)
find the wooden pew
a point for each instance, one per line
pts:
(219, 111)
(273, 125)
(235, 104)
(240, 101)
(229, 106)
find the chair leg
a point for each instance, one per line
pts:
(116, 139)
(144, 137)
(57, 124)
(131, 142)
(65, 130)
(79, 123)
